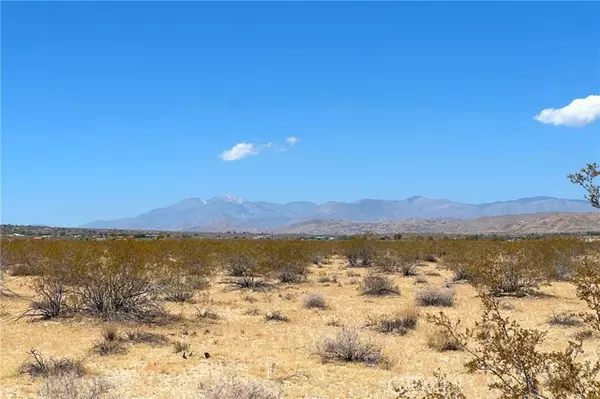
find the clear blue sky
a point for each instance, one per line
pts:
(111, 109)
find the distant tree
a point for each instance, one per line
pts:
(585, 178)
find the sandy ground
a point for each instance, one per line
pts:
(245, 345)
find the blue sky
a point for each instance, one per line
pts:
(111, 109)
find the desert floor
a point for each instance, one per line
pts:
(243, 344)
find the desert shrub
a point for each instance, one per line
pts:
(327, 279)
(314, 300)
(181, 287)
(180, 346)
(583, 335)
(405, 262)
(236, 389)
(293, 273)
(587, 282)
(442, 341)
(431, 258)
(318, 258)
(73, 387)
(352, 273)
(439, 388)
(399, 322)
(50, 300)
(564, 320)
(110, 343)
(513, 269)
(421, 280)
(435, 297)
(463, 273)
(138, 336)
(360, 252)
(379, 286)
(239, 265)
(116, 283)
(250, 282)
(349, 346)
(37, 365)
(276, 315)
(511, 355)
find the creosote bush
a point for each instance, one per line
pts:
(512, 356)
(349, 346)
(378, 286)
(360, 252)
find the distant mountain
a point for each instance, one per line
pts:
(228, 213)
(537, 223)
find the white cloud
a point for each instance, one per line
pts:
(580, 112)
(239, 151)
(243, 150)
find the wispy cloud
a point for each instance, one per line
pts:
(243, 150)
(580, 112)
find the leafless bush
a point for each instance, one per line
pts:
(236, 389)
(37, 365)
(51, 298)
(314, 300)
(379, 286)
(73, 387)
(276, 315)
(349, 346)
(436, 297)
(564, 320)
(399, 322)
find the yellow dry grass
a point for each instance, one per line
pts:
(245, 345)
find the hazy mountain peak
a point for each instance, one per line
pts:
(232, 199)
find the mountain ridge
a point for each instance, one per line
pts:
(229, 212)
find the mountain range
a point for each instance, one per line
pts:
(230, 213)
